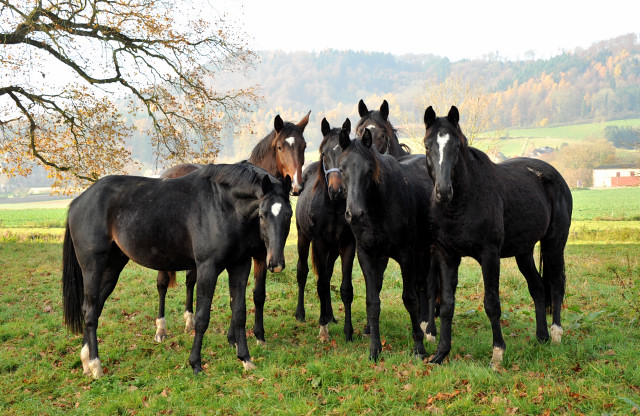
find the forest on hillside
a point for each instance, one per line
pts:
(598, 83)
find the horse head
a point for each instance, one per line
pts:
(443, 143)
(377, 121)
(289, 146)
(360, 169)
(275, 220)
(330, 152)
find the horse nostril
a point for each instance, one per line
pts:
(347, 215)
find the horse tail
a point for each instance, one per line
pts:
(172, 279)
(72, 286)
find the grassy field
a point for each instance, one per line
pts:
(596, 369)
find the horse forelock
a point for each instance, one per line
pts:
(371, 154)
(321, 182)
(379, 121)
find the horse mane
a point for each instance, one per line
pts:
(370, 153)
(244, 178)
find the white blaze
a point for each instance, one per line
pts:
(275, 209)
(336, 147)
(371, 126)
(442, 142)
(290, 140)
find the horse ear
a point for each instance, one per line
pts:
(286, 184)
(367, 139)
(344, 139)
(266, 184)
(278, 124)
(429, 116)
(384, 110)
(325, 127)
(454, 115)
(347, 126)
(362, 108)
(305, 120)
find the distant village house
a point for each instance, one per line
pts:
(613, 176)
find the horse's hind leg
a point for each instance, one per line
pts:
(189, 323)
(102, 275)
(302, 272)
(553, 272)
(162, 283)
(527, 267)
(347, 255)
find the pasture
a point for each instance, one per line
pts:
(596, 369)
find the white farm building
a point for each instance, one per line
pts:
(613, 176)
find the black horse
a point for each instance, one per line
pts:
(321, 224)
(385, 202)
(488, 211)
(385, 137)
(280, 153)
(218, 218)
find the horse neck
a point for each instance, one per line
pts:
(467, 179)
(264, 156)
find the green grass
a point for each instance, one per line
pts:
(593, 371)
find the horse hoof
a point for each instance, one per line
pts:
(189, 322)
(261, 342)
(300, 316)
(496, 359)
(556, 333)
(248, 365)
(96, 368)
(324, 333)
(159, 337)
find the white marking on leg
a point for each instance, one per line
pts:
(324, 333)
(248, 365)
(496, 359)
(96, 368)
(188, 321)
(423, 326)
(443, 139)
(430, 338)
(290, 140)
(84, 357)
(556, 333)
(261, 343)
(161, 331)
(275, 209)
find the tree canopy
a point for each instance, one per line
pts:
(67, 66)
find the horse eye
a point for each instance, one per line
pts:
(279, 147)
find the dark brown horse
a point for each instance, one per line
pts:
(385, 137)
(321, 225)
(281, 153)
(212, 219)
(385, 201)
(490, 211)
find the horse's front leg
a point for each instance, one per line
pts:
(411, 302)
(207, 279)
(491, 276)
(238, 277)
(430, 293)
(373, 270)
(449, 281)
(347, 255)
(302, 272)
(162, 283)
(259, 296)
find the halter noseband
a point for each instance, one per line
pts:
(328, 171)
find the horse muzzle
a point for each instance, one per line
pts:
(354, 216)
(274, 265)
(444, 193)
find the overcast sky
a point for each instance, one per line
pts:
(455, 29)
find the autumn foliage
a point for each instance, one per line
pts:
(66, 68)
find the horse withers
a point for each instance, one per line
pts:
(218, 218)
(490, 211)
(386, 199)
(321, 225)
